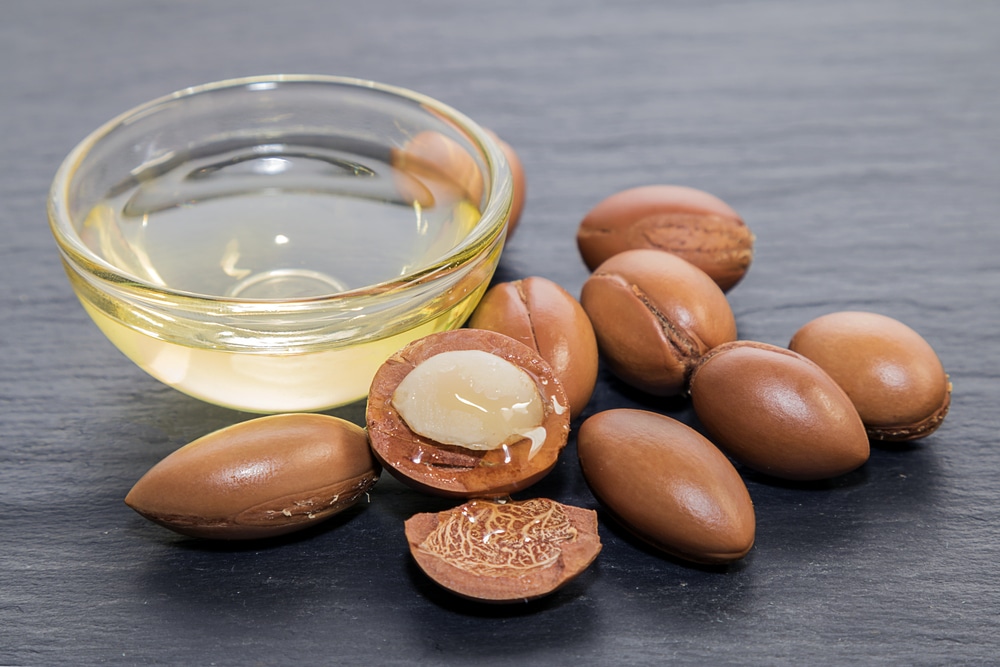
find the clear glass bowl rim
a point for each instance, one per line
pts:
(484, 236)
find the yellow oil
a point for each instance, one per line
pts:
(263, 224)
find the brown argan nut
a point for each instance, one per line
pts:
(545, 317)
(467, 413)
(689, 223)
(777, 412)
(667, 484)
(655, 315)
(263, 477)
(510, 551)
(890, 372)
(434, 166)
(518, 181)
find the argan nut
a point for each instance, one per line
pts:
(260, 478)
(694, 225)
(667, 484)
(545, 317)
(510, 551)
(519, 182)
(777, 412)
(655, 315)
(467, 413)
(889, 371)
(434, 166)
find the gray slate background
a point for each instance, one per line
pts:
(861, 142)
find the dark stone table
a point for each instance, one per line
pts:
(861, 142)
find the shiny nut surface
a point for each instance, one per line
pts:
(655, 315)
(667, 484)
(545, 317)
(777, 412)
(504, 552)
(692, 224)
(891, 373)
(259, 478)
(457, 471)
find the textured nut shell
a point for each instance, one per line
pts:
(519, 182)
(892, 374)
(517, 583)
(667, 484)
(546, 318)
(690, 223)
(259, 478)
(654, 315)
(777, 412)
(452, 470)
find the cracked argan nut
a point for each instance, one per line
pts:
(260, 478)
(545, 317)
(667, 484)
(777, 412)
(689, 223)
(510, 551)
(467, 413)
(892, 375)
(655, 315)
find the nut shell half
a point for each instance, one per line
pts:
(455, 471)
(504, 552)
(260, 478)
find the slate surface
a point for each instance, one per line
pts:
(861, 142)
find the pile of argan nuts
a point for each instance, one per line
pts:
(482, 412)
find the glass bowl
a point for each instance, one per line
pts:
(266, 243)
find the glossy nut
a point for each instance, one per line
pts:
(519, 182)
(504, 552)
(777, 412)
(259, 478)
(689, 223)
(667, 484)
(455, 470)
(890, 372)
(655, 315)
(545, 317)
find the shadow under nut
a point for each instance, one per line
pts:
(777, 412)
(544, 316)
(654, 316)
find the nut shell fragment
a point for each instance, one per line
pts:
(455, 471)
(260, 478)
(504, 551)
